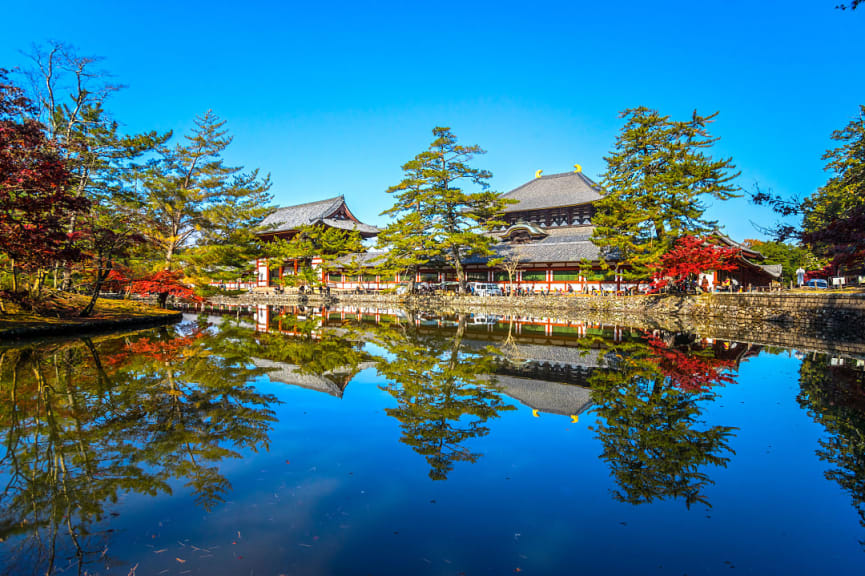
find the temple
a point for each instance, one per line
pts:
(285, 222)
(545, 242)
(547, 236)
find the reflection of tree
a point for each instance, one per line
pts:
(310, 347)
(443, 392)
(835, 397)
(650, 423)
(83, 422)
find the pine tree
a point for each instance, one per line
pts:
(657, 176)
(190, 200)
(436, 218)
(833, 218)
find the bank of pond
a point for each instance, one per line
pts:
(381, 441)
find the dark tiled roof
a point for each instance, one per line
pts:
(371, 258)
(571, 244)
(773, 270)
(365, 229)
(292, 374)
(293, 217)
(746, 251)
(567, 189)
(543, 396)
(562, 355)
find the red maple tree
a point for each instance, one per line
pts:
(35, 201)
(164, 283)
(688, 370)
(690, 256)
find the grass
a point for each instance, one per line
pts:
(62, 309)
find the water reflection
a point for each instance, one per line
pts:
(158, 413)
(444, 390)
(833, 392)
(649, 400)
(87, 421)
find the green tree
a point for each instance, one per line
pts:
(649, 421)
(189, 199)
(789, 256)
(834, 396)
(84, 422)
(833, 218)
(436, 219)
(72, 93)
(657, 177)
(443, 391)
(331, 245)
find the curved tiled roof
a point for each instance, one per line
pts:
(543, 396)
(555, 190)
(351, 225)
(292, 217)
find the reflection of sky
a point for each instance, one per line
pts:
(338, 493)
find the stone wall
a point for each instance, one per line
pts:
(835, 310)
(821, 322)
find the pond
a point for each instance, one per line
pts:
(382, 442)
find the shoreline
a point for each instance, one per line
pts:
(85, 326)
(800, 321)
(832, 310)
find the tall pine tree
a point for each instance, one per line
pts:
(437, 220)
(657, 178)
(191, 201)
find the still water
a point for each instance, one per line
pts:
(381, 442)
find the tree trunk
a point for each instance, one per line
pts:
(458, 266)
(162, 299)
(94, 295)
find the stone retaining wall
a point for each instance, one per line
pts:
(815, 310)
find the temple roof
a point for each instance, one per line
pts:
(320, 212)
(332, 382)
(555, 190)
(571, 244)
(544, 396)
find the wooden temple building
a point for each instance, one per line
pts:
(285, 222)
(548, 230)
(547, 235)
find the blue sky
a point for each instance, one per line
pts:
(332, 98)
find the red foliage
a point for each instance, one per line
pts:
(688, 371)
(165, 282)
(844, 240)
(116, 280)
(163, 350)
(35, 203)
(692, 255)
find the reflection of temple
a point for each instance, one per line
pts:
(544, 363)
(333, 382)
(547, 378)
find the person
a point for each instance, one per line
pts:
(800, 276)
(704, 286)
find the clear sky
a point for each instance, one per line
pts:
(332, 98)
